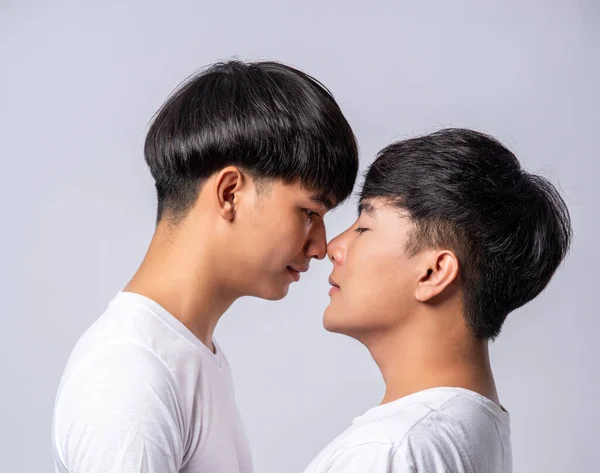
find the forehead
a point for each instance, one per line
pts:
(373, 206)
(367, 207)
(380, 208)
(298, 191)
(391, 227)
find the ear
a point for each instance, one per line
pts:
(228, 182)
(440, 269)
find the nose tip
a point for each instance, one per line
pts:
(317, 250)
(334, 251)
(317, 243)
(322, 253)
(330, 255)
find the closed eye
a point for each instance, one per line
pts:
(311, 214)
(360, 230)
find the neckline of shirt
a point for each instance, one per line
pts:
(426, 395)
(173, 322)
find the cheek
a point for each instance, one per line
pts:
(372, 295)
(281, 240)
(369, 285)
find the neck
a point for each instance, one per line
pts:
(427, 355)
(178, 273)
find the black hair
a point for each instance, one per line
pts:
(465, 191)
(269, 119)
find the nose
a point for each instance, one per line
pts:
(336, 250)
(316, 246)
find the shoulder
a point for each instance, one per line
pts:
(462, 430)
(371, 444)
(120, 395)
(116, 379)
(120, 360)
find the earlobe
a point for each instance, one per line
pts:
(227, 211)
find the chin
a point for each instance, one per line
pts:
(345, 322)
(333, 322)
(272, 292)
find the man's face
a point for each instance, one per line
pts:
(373, 278)
(277, 235)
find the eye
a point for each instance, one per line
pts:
(360, 230)
(311, 214)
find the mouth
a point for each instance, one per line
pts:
(295, 271)
(335, 288)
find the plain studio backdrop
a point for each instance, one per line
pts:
(79, 83)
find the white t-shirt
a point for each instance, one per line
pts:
(438, 430)
(141, 394)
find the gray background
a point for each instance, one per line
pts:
(78, 85)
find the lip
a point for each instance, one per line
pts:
(335, 288)
(295, 271)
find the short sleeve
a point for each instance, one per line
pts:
(435, 448)
(368, 458)
(118, 413)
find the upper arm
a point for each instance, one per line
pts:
(119, 413)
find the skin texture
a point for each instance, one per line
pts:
(241, 238)
(407, 310)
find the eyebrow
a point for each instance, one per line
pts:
(322, 200)
(367, 208)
